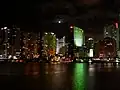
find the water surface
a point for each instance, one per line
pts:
(36, 76)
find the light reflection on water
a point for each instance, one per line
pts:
(79, 77)
(62, 76)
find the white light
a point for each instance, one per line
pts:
(82, 61)
(109, 44)
(10, 56)
(52, 33)
(1, 28)
(90, 61)
(117, 60)
(46, 33)
(90, 39)
(5, 27)
(14, 57)
(107, 60)
(71, 26)
(59, 21)
(91, 53)
(106, 33)
(64, 37)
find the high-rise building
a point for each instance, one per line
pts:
(90, 47)
(11, 41)
(70, 41)
(38, 44)
(60, 49)
(2, 39)
(106, 48)
(22, 45)
(30, 45)
(90, 43)
(110, 47)
(112, 31)
(78, 42)
(49, 44)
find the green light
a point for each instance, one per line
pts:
(79, 77)
(78, 36)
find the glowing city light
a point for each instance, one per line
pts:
(46, 33)
(5, 27)
(91, 53)
(116, 24)
(52, 33)
(78, 77)
(71, 27)
(59, 21)
(14, 57)
(10, 56)
(90, 39)
(78, 36)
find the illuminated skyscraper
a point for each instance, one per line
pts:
(11, 40)
(79, 42)
(112, 31)
(70, 41)
(78, 37)
(90, 46)
(75, 41)
(60, 45)
(49, 44)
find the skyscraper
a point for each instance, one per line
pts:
(11, 40)
(60, 45)
(90, 46)
(49, 44)
(112, 31)
(70, 41)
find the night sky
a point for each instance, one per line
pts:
(37, 15)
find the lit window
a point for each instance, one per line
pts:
(59, 21)
(106, 33)
(109, 44)
(52, 33)
(5, 27)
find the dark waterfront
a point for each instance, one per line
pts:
(36, 76)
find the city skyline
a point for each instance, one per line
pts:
(60, 44)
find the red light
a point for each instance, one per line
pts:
(116, 25)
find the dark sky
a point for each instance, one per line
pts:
(37, 15)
